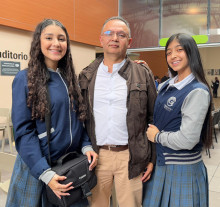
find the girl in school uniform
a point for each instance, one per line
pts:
(182, 126)
(50, 65)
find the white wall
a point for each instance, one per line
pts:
(82, 55)
(17, 41)
(211, 60)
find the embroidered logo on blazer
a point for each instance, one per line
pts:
(170, 103)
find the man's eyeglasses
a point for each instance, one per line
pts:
(120, 35)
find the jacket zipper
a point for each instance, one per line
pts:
(71, 137)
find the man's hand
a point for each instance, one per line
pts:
(148, 172)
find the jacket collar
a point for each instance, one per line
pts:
(124, 71)
(92, 68)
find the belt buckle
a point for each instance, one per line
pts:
(111, 146)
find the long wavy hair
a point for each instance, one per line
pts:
(190, 47)
(38, 75)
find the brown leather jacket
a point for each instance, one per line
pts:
(140, 105)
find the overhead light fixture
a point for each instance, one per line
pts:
(193, 10)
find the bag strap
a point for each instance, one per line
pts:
(86, 190)
(48, 121)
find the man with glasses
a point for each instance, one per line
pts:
(119, 95)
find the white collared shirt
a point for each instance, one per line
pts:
(182, 83)
(110, 97)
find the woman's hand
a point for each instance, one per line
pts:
(60, 189)
(94, 156)
(141, 62)
(151, 132)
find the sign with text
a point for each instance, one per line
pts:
(10, 68)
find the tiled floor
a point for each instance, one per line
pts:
(212, 164)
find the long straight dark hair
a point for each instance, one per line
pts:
(190, 47)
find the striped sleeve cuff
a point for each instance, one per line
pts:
(157, 137)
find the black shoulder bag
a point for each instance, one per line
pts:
(75, 167)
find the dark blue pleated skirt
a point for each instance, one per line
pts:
(24, 189)
(177, 185)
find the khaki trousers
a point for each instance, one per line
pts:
(113, 166)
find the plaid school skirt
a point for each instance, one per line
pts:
(177, 185)
(24, 189)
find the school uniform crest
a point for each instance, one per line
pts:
(171, 101)
(169, 104)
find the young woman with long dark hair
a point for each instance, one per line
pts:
(182, 126)
(50, 65)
